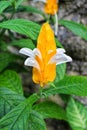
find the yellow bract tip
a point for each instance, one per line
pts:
(51, 7)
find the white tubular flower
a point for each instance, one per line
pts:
(60, 57)
(31, 61)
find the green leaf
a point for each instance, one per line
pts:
(77, 115)
(36, 121)
(8, 100)
(18, 118)
(3, 5)
(76, 28)
(76, 85)
(50, 109)
(60, 72)
(11, 80)
(22, 26)
(30, 9)
(23, 43)
(6, 59)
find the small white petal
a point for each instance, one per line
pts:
(60, 50)
(63, 59)
(60, 58)
(36, 52)
(32, 62)
(27, 52)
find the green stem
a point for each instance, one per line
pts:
(13, 10)
(56, 24)
(52, 84)
(40, 91)
(48, 19)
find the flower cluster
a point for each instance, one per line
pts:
(51, 7)
(45, 56)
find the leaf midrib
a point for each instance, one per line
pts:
(7, 101)
(66, 86)
(18, 116)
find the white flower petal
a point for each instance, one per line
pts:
(60, 50)
(30, 53)
(36, 52)
(63, 59)
(27, 51)
(60, 58)
(32, 62)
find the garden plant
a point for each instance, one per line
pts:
(25, 45)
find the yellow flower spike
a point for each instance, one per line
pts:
(45, 57)
(45, 43)
(51, 7)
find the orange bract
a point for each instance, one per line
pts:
(46, 45)
(51, 7)
(45, 57)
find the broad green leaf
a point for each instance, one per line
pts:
(18, 118)
(50, 109)
(76, 85)
(76, 28)
(3, 5)
(11, 80)
(30, 9)
(8, 100)
(60, 72)
(6, 59)
(23, 43)
(77, 115)
(36, 121)
(22, 26)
